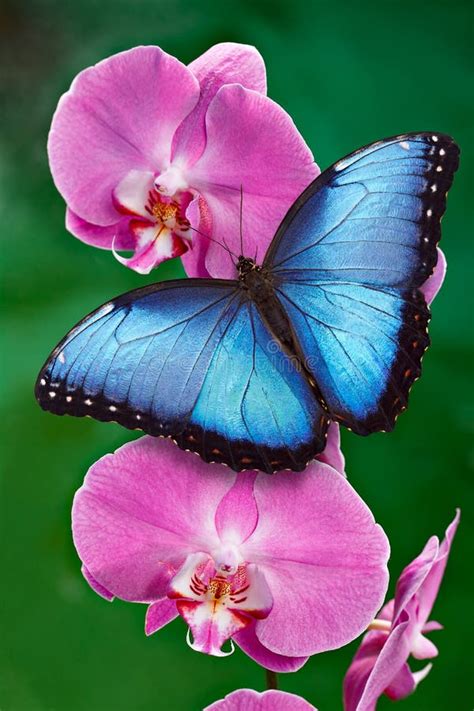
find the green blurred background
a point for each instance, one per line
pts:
(349, 73)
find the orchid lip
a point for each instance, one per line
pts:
(216, 653)
(157, 222)
(217, 603)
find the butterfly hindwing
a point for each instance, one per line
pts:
(191, 359)
(365, 347)
(347, 263)
(256, 409)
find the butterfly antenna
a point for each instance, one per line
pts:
(211, 239)
(241, 231)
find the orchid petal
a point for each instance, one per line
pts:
(422, 577)
(386, 613)
(413, 576)
(237, 514)
(423, 648)
(159, 614)
(263, 153)
(271, 700)
(336, 559)
(434, 283)
(132, 541)
(432, 626)
(249, 643)
(361, 668)
(380, 665)
(96, 587)
(364, 685)
(199, 216)
(102, 237)
(402, 685)
(225, 63)
(430, 588)
(405, 682)
(118, 115)
(332, 452)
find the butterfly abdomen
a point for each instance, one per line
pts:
(259, 286)
(261, 290)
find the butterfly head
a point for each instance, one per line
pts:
(245, 265)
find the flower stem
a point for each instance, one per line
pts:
(272, 679)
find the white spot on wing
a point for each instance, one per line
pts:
(405, 145)
(433, 188)
(442, 152)
(43, 381)
(52, 394)
(61, 357)
(88, 402)
(112, 408)
(107, 309)
(68, 398)
(341, 165)
(435, 139)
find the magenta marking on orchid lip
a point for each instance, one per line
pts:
(241, 590)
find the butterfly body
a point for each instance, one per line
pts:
(258, 286)
(331, 326)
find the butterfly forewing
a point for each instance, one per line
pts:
(347, 264)
(193, 360)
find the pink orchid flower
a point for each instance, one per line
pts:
(380, 665)
(144, 149)
(285, 566)
(272, 700)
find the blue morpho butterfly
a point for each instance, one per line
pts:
(332, 325)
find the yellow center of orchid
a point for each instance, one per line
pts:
(219, 587)
(164, 211)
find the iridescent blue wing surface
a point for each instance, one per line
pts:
(347, 264)
(256, 409)
(192, 360)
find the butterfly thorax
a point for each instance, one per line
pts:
(245, 266)
(257, 282)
